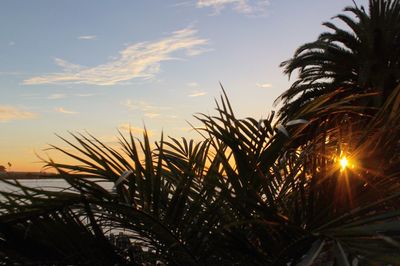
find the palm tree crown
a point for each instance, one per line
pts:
(363, 59)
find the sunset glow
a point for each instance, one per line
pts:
(140, 63)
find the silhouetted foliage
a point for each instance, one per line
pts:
(269, 192)
(3, 169)
(361, 64)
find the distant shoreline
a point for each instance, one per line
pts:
(28, 175)
(37, 175)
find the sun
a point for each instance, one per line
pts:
(344, 163)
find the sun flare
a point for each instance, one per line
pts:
(344, 163)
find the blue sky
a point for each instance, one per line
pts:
(101, 65)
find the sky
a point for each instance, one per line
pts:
(101, 66)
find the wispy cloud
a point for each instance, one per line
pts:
(151, 115)
(140, 60)
(108, 138)
(56, 96)
(85, 94)
(135, 130)
(249, 7)
(184, 3)
(65, 111)
(193, 84)
(143, 106)
(149, 110)
(263, 85)
(60, 96)
(9, 113)
(184, 129)
(87, 37)
(197, 94)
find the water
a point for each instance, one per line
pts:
(48, 184)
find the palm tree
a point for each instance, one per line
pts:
(179, 202)
(361, 61)
(345, 79)
(237, 198)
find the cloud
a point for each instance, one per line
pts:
(193, 84)
(68, 67)
(149, 110)
(263, 85)
(184, 129)
(85, 94)
(143, 106)
(9, 113)
(140, 60)
(56, 96)
(64, 111)
(249, 7)
(135, 130)
(184, 3)
(87, 37)
(151, 115)
(109, 139)
(197, 94)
